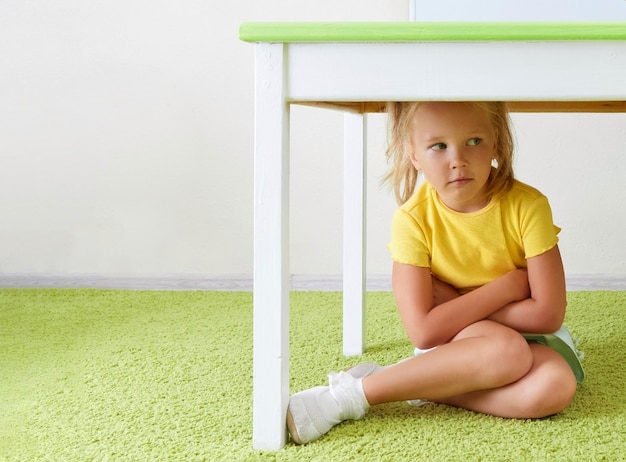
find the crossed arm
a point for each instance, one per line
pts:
(527, 300)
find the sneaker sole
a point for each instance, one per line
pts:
(291, 426)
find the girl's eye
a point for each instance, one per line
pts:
(474, 141)
(438, 146)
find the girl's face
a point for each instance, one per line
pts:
(453, 144)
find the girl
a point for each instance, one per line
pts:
(475, 265)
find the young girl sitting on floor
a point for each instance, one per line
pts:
(477, 277)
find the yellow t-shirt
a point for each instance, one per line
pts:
(467, 250)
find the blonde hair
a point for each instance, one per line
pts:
(403, 175)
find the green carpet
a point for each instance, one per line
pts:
(147, 375)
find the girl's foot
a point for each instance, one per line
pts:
(313, 412)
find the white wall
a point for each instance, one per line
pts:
(126, 146)
(519, 10)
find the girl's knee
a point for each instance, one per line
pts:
(551, 398)
(505, 354)
(563, 394)
(553, 387)
(514, 354)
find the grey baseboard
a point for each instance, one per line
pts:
(244, 282)
(596, 282)
(127, 282)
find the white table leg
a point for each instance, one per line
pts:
(271, 250)
(354, 234)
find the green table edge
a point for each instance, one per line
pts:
(320, 32)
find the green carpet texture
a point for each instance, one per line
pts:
(108, 375)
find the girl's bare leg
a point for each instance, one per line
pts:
(488, 368)
(485, 355)
(546, 389)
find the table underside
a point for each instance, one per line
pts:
(363, 107)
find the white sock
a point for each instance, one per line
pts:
(348, 391)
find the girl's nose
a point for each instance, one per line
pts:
(457, 158)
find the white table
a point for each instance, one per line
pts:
(357, 67)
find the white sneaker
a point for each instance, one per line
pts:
(313, 412)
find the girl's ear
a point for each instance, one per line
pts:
(414, 161)
(412, 154)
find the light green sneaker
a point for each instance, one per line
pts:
(562, 342)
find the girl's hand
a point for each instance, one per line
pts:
(416, 290)
(545, 311)
(516, 283)
(443, 292)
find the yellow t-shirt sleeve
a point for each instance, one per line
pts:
(539, 234)
(408, 244)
